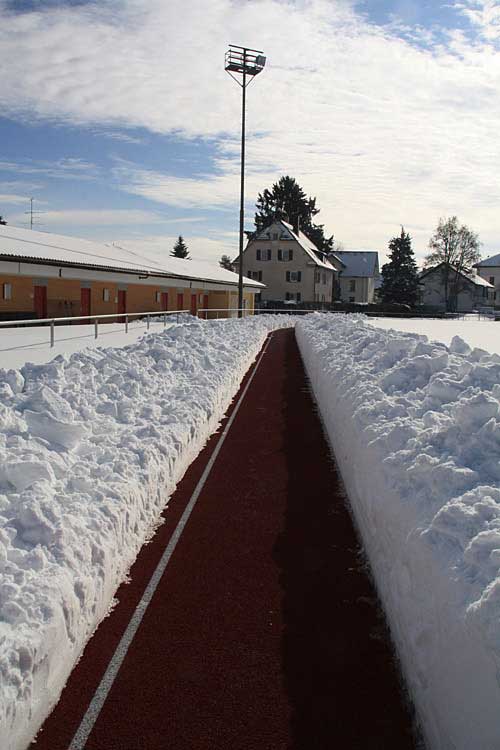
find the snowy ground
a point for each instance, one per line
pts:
(92, 445)
(415, 427)
(483, 334)
(32, 344)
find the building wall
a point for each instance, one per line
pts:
(363, 292)
(489, 273)
(312, 287)
(469, 298)
(64, 294)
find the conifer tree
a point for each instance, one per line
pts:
(286, 200)
(180, 249)
(226, 262)
(400, 275)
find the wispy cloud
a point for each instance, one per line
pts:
(12, 199)
(64, 169)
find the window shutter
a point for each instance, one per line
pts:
(299, 275)
(260, 276)
(280, 254)
(258, 254)
(288, 275)
(269, 254)
(290, 255)
(298, 296)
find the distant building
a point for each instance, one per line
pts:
(489, 269)
(292, 268)
(46, 275)
(358, 276)
(470, 291)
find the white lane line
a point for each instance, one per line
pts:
(95, 706)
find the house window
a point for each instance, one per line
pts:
(264, 254)
(7, 291)
(256, 275)
(293, 296)
(352, 286)
(285, 255)
(275, 235)
(158, 296)
(318, 276)
(294, 276)
(105, 295)
(492, 280)
(351, 299)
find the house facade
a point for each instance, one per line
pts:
(469, 292)
(290, 266)
(45, 276)
(359, 276)
(489, 269)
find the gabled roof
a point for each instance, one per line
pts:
(37, 247)
(472, 277)
(305, 243)
(359, 263)
(493, 260)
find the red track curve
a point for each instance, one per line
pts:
(265, 632)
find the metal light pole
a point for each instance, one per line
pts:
(247, 63)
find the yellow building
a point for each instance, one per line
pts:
(51, 276)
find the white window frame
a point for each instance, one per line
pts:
(106, 295)
(7, 290)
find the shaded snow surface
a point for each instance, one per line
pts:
(91, 447)
(415, 426)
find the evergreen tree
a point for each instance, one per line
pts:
(400, 275)
(2, 221)
(456, 248)
(180, 249)
(226, 262)
(286, 200)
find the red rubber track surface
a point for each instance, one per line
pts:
(265, 631)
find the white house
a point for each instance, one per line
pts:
(358, 277)
(467, 291)
(290, 265)
(489, 269)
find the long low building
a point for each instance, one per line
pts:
(52, 276)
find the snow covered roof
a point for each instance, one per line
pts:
(287, 232)
(493, 260)
(472, 277)
(37, 247)
(362, 263)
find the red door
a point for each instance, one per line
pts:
(41, 301)
(85, 303)
(164, 300)
(193, 304)
(122, 301)
(180, 301)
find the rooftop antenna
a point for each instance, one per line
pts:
(32, 214)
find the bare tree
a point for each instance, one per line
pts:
(455, 248)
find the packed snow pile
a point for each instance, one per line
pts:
(415, 427)
(91, 447)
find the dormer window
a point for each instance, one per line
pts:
(275, 235)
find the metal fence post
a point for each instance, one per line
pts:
(126, 323)
(96, 330)
(147, 321)
(52, 326)
(164, 320)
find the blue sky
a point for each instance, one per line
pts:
(118, 118)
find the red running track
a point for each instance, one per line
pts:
(265, 632)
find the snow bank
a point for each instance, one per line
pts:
(415, 427)
(91, 447)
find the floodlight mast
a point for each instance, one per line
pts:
(246, 63)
